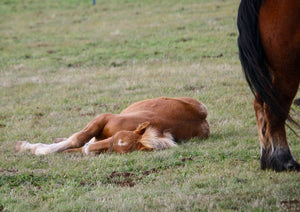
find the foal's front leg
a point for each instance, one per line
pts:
(94, 146)
(44, 149)
(93, 129)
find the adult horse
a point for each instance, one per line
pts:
(269, 49)
(146, 125)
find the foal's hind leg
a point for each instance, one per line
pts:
(58, 140)
(77, 140)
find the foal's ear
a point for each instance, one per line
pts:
(142, 128)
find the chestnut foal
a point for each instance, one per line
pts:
(151, 124)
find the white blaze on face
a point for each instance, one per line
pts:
(120, 143)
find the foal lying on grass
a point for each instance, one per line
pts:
(151, 124)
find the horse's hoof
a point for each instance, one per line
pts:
(293, 166)
(297, 102)
(282, 160)
(19, 146)
(279, 160)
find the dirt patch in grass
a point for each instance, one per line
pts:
(293, 205)
(9, 171)
(129, 179)
(122, 179)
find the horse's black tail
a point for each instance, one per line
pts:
(253, 59)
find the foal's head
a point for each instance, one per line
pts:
(143, 138)
(128, 141)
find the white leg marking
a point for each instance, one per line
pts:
(85, 149)
(43, 149)
(22, 146)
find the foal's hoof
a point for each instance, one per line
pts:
(19, 146)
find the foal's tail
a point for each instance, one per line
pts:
(151, 140)
(252, 57)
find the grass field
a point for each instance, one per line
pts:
(64, 62)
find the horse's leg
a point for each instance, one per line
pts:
(79, 149)
(279, 33)
(280, 156)
(57, 140)
(93, 129)
(94, 146)
(261, 125)
(275, 151)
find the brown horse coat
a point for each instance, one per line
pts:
(269, 47)
(149, 124)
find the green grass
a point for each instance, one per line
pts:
(64, 62)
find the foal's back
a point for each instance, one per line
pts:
(170, 108)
